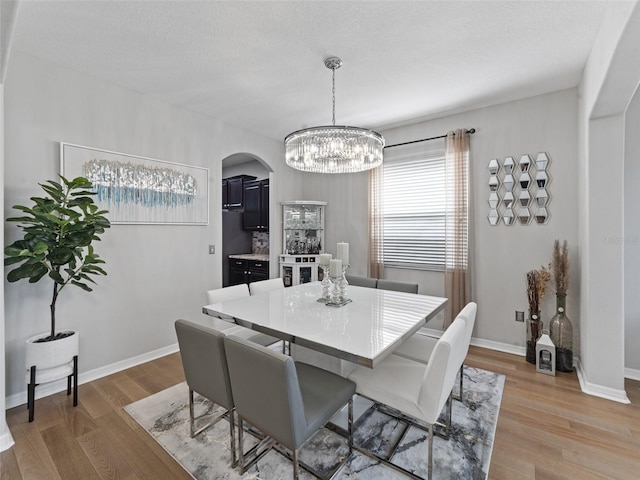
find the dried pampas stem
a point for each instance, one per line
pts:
(561, 266)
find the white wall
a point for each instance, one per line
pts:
(252, 167)
(609, 81)
(632, 235)
(8, 12)
(502, 254)
(156, 274)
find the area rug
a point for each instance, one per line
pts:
(466, 455)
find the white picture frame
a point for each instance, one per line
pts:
(140, 190)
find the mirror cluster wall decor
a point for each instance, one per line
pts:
(519, 190)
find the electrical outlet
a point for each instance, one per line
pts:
(212, 250)
(519, 316)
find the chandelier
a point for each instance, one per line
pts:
(334, 148)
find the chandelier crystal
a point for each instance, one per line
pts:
(334, 148)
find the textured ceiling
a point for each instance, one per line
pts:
(259, 65)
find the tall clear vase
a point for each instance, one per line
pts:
(534, 331)
(562, 335)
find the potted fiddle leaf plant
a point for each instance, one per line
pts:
(57, 246)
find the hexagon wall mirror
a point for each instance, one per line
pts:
(524, 216)
(493, 217)
(542, 160)
(542, 197)
(508, 199)
(508, 165)
(508, 182)
(494, 183)
(542, 215)
(494, 200)
(494, 166)
(508, 216)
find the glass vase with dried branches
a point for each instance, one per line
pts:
(561, 328)
(536, 287)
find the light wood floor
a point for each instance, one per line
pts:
(547, 429)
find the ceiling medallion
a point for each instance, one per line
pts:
(334, 148)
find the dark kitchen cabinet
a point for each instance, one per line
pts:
(233, 191)
(256, 205)
(247, 271)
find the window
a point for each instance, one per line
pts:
(414, 202)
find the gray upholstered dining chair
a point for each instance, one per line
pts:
(416, 389)
(406, 287)
(205, 370)
(264, 286)
(361, 281)
(288, 402)
(420, 346)
(236, 327)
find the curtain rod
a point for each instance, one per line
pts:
(471, 131)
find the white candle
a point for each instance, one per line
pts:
(343, 252)
(325, 258)
(335, 268)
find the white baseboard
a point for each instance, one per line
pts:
(6, 440)
(586, 387)
(608, 393)
(499, 346)
(61, 385)
(632, 374)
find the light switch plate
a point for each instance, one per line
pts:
(212, 249)
(519, 316)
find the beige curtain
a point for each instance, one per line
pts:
(376, 231)
(457, 265)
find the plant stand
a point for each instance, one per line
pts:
(50, 361)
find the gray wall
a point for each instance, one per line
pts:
(632, 235)
(156, 274)
(502, 254)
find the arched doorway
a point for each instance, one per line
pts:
(238, 236)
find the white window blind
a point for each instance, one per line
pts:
(414, 202)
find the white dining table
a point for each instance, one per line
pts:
(364, 331)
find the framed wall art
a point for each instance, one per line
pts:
(140, 190)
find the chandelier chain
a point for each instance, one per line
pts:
(333, 91)
(333, 149)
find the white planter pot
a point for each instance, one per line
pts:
(53, 360)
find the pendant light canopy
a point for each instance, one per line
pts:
(334, 148)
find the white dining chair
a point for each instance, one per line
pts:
(420, 345)
(264, 286)
(234, 327)
(416, 389)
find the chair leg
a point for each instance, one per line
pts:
(240, 447)
(232, 434)
(430, 452)
(461, 380)
(31, 393)
(69, 384)
(75, 381)
(294, 460)
(350, 426)
(449, 409)
(192, 426)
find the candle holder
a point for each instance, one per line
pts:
(339, 290)
(326, 285)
